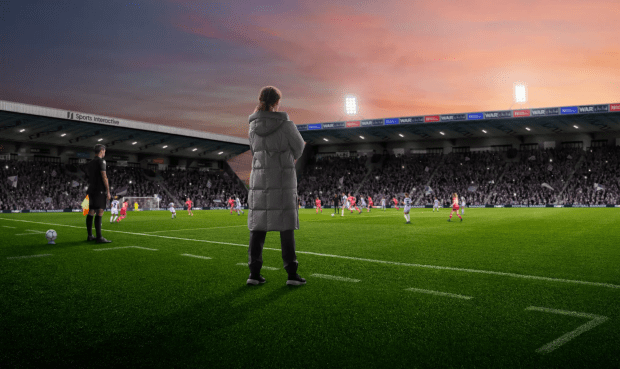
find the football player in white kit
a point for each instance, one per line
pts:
(383, 203)
(363, 203)
(345, 203)
(407, 202)
(238, 206)
(114, 209)
(436, 205)
(172, 210)
(462, 206)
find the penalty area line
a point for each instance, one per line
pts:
(437, 293)
(197, 256)
(125, 247)
(28, 256)
(413, 265)
(197, 229)
(335, 278)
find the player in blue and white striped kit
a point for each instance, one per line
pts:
(407, 202)
(345, 203)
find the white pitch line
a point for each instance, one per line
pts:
(28, 234)
(594, 321)
(437, 293)
(437, 267)
(263, 267)
(197, 256)
(196, 229)
(34, 231)
(8, 227)
(29, 256)
(335, 278)
(125, 247)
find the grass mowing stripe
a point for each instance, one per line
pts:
(466, 270)
(28, 256)
(263, 267)
(197, 229)
(125, 247)
(335, 278)
(437, 293)
(197, 256)
(595, 320)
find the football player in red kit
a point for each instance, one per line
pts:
(455, 206)
(352, 203)
(395, 203)
(231, 203)
(369, 203)
(318, 205)
(189, 207)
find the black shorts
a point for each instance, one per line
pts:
(97, 201)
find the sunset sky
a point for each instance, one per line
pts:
(201, 64)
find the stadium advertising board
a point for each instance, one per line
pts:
(411, 120)
(521, 113)
(498, 114)
(452, 117)
(586, 109)
(614, 107)
(371, 123)
(391, 121)
(432, 118)
(312, 127)
(302, 127)
(91, 118)
(569, 110)
(353, 124)
(334, 125)
(475, 116)
(544, 112)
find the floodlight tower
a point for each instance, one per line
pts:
(350, 105)
(520, 94)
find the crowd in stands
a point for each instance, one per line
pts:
(51, 186)
(537, 177)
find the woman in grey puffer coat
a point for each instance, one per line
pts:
(276, 144)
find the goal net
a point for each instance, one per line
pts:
(144, 203)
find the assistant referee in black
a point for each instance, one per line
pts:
(98, 193)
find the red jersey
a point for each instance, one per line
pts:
(395, 201)
(125, 205)
(370, 200)
(352, 200)
(231, 202)
(189, 204)
(318, 202)
(455, 202)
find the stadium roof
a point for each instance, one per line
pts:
(542, 121)
(35, 124)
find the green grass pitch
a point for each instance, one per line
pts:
(505, 288)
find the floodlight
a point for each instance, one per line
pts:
(484, 131)
(520, 93)
(63, 135)
(362, 137)
(401, 135)
(324, 139)
(220, 153)
(99, 140)
(443, 134)
(194, 149)
(576, 127)
(133, 143)
(527, 128)
(165, 146)
(22, 130)
(350, 105)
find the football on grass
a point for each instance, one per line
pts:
(332, 214)
(50, 235)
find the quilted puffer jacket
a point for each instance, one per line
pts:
(276, 144)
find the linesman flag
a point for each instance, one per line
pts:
(85, 205)
(13, 181)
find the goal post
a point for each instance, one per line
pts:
(144, 203)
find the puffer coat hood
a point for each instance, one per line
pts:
(276, 144)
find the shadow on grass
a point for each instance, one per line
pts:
(181, 338)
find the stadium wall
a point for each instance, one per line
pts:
(613, 138)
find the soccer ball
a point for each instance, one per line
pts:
(51, 236)
(332, 214)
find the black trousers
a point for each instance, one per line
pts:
(255, 252)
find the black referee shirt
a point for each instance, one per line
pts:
(95, 179)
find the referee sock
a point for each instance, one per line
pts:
(98, 226)
(89, 225)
